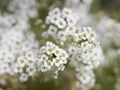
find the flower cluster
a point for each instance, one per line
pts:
(60, 22)
(52, 58)
(85, 54)
(25, 66)
(109, 29)
(12, 47)
(86, 78)
(11, 21)
(15, 37)
(24, 8)
(61, 19)
(86, 48)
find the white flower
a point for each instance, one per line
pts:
(61, 23)
(57, 61)
(54, 19)
(18, 69)
(48, 64)
(50, 44)
(43, 69)
(85, 45)
(71, 21)
(70, 30)
(78, 37)
(64, 55)
(57, 51)
(55, 12)
(66, 12)
(4, 68)
(23, 77)
(62, 35)
(84, 79)
(42, 49)
(92, 35)
(49, 50)
(30, 61)
(64, 61)
(71, 50)
(84, 35)
(48, 20)
(52, 30)
(43, 57)
(21, 61)
(31, 70)
(29, 55)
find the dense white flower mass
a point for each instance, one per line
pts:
(84, 51)
(24, 8)
(16, 39)
(86, 78)
(11, 47)
(109, 29)
(49, 58)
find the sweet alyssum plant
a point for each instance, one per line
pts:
(23, 58)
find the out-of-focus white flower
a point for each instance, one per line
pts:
(62, 35)
(52, 30)
(23, 77)
(29, 55)
(55, 12)
(21, 61)
(31, 70)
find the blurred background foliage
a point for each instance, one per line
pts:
(110, 7)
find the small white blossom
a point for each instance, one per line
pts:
(21, 61)
(23, 77)
(54, 19)
(62, 35)
(61, 23)
(71, 21)
(48, 64)
(55, 12)
(18, 69)
(31, 70)
(66, 12)
(52, 30)
(29, 55)
(57, 61)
